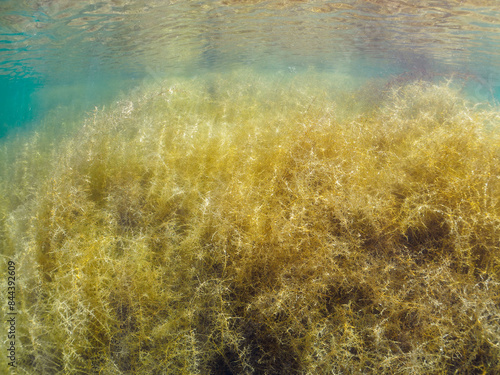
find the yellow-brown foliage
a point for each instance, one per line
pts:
(244, 225)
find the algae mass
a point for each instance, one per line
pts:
(244, 224)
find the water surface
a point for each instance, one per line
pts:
(83, 54)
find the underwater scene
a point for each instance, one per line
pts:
(228, 187)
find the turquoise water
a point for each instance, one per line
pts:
(83, 54)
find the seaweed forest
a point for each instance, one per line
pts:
(245, 224)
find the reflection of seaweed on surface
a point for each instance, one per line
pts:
(261, 229)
